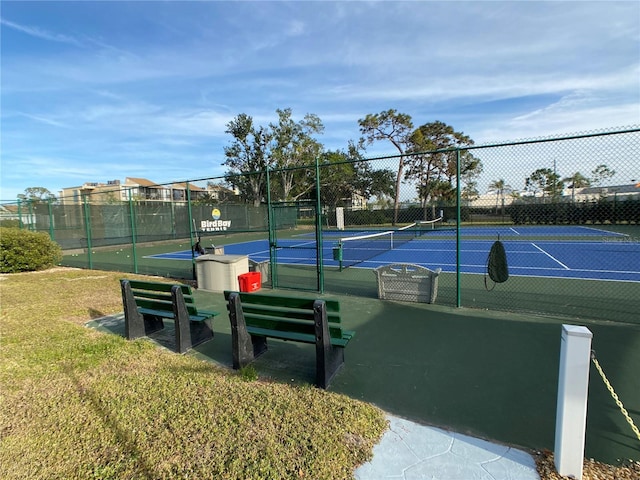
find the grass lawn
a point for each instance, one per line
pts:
(80, 404)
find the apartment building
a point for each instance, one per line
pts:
(139, 189)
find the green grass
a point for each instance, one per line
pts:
(80, 404)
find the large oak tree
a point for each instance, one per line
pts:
(396, 128)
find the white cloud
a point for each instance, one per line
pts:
(153, 90)
(40, 33)
(42, 119)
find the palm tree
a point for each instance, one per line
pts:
(500, 188)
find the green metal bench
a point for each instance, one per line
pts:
(146, 304)
(255, 317)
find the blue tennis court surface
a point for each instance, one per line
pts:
(610, 258)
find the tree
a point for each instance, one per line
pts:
(36, 195)
(284, 147)
(216, 193)
(432, 164)
(601, 174)
(470, 191)
(500, 187)
(374, 183)
(396, 128)
(337, 177)
(471, 167)
(248, 156)
(577, 180)
(546, 181)
(294, 146)
(345, 174)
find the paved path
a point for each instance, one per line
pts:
(412, 451)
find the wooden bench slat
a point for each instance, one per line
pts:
(283, 335)
(206, 313)
(283, 301)
(147, 303)
(200, 317)
(266, 311)
(158, 286)
(165, 307)
(279, 324)
(256, 317)
(159, 295)
(299, 337)
(292, 313)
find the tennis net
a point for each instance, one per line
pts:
(354, 250)
(423, 227)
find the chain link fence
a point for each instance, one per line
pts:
(566, 209)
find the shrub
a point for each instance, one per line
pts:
(10, 223)
(25, 251)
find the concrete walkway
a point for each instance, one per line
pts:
(412, 451)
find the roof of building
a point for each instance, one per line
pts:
(9, 207)
(192, 187)
(142, 182)
(632, 188)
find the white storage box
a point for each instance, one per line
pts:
(216, 273)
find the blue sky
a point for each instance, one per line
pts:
(96, 91)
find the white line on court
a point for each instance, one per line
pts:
(551, 256)
(606, 232)
(514, 230)
(297, 245)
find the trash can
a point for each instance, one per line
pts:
(337, 254)
(264, 267)
(249, 282)
(216, 273)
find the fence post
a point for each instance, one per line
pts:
(458, 221)
(32, 217)
(20, 222)
(192, 227)
(51, 229)
(87, 227)
(272, 233)
(319, 260)
(132, 220)
(573, 386)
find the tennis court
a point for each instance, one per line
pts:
(577, 252)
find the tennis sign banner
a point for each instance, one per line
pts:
(215, 225)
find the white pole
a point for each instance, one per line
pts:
(340, 218)
(573, 386)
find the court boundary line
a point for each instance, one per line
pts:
(530, 271)
(471, 265)
(599, 230)
(528, 276)
(310, 265)
(551, 256)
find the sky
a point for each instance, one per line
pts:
(98, 91)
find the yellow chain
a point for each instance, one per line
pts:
(615, 397)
